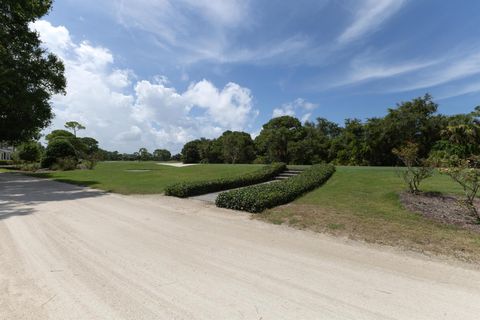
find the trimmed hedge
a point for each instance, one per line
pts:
(194, 188)
(260, 197)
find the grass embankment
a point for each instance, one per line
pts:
(362, 203)
(118, 176)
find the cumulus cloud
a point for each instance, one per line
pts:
(299, 108)
(125, 113)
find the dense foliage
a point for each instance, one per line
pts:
(30, 151)
(357, 142)
(29, 75)
(260, 197)
(230, 147)
(188, 189)
(67, 151)
(141, 155)
(58, 150)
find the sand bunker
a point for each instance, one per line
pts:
(176, 164)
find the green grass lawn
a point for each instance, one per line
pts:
(363, 203)
(116, 177)
(371, 189)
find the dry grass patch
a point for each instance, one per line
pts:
(425, 237)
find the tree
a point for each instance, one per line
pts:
(59, 134)
(237, 147)
(460, 136)
(162, 155)
(74, 126)
(144, 155)
(350, 147)
(85, 146)
(416, 170)
(274, 139)
(58, 150)
(316, 144)
(190, 152)
(30, 151)
(177, 157)
(415, 121)
(90, 145)
(29, 75)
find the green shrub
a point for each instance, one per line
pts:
(260, 160)
(90, 161)
(32, 167)
(188, 189)
(30, 151)
(65, 164)
(6, 162)
(57, 150)
(260, 197)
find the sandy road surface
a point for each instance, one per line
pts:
(70, 253)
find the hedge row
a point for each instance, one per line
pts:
(188, 189)
(260, 197)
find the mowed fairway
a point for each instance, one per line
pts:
(363, 203)
(144, 177)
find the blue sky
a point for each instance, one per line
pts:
(159, 73)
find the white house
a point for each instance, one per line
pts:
(6, 152)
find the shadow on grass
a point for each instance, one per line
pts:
(20, 193)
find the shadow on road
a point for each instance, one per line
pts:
(18, 193)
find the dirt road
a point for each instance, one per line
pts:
(71, 253)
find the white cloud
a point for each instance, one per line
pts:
(459, 90)
(230, 107)
(299, 108)
(449, 67)
(369, 17)
(124, 113)
(193, 29)
(369, 67)
(57, 39)
(456, 67)
(190, 31)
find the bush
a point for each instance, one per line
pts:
(416, 169)
(188, 189)
(6, 162)
(260, 160)
(260, 197)
(57, 150)
(88, 164)
(32, 167)
(90, 161)
(29, 152)
(465, 172)
(64, 164)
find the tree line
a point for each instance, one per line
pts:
(66, 151)
(141, 155)
(357, 142)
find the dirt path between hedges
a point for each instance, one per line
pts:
(72, 253)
